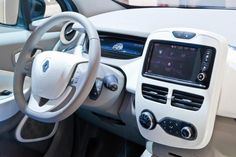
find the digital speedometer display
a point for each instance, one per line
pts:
(121, 47)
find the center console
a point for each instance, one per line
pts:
(179, 86)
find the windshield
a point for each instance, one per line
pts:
(217, 4)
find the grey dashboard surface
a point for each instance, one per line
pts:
(141, 22)
(4, 29)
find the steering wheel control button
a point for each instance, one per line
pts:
(147, 120)
(76, 77)
(178, 128)
(111, 82)
(96, 90)
(201, 77)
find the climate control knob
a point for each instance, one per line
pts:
(186, 132)
(147, 120)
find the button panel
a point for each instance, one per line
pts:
(207, 57)
(206, 65)
(178, 128)
(76, 77)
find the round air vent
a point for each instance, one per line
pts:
(68, 34)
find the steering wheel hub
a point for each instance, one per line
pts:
(52, 69)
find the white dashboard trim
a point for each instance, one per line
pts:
(203, 119)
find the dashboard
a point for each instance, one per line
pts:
(117, 46)
(173, 77)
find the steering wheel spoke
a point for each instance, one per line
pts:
(78, 53)
(35, 102)
(79, 75)
(28, 67)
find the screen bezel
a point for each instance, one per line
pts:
(203, 85)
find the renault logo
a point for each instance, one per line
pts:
(45, 65)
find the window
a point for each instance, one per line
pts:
(38, 9)
(218, 4)
(9, 11)
(43, 8)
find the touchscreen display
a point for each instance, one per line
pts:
(174, 61)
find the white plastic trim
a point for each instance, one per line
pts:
(227, 106)
(21, 139)
(203, 119)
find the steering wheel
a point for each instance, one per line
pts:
(60, 82)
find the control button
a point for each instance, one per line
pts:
(76, 77)
(201, 77)
(207, 58)
(204, 67)
(183, 35)
(147, 120)
(111, 82)
(209, 51)
(177, 133)
(178, 128)
(5, 93)
(96, 90)
(186, 132)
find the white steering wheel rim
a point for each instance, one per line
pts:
(80, 90)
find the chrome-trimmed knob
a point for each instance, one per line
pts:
(201, 77)
(186, 132)
(147, 120)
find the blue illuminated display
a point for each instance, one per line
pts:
(122, 47)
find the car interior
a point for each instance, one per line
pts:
(117, 78)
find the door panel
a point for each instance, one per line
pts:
(8, 106)
(12, 41)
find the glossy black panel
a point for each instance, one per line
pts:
(181, 63)
(121, 46)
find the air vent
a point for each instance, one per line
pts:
(155, 93)
(186, 100)
(69, 32)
